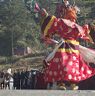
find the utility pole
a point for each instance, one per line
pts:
(12, 44)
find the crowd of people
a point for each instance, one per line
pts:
(22, 79)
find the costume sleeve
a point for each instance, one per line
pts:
(85, 34)
(51, 27)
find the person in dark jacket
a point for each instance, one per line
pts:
(16, 77)
(22, 78)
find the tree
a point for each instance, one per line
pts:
(18, 26)
(15, 24)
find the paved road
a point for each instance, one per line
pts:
(45, 93)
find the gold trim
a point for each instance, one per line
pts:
(72, 42)
(68, 50)
(49, 25)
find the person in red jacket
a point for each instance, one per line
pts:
(68, 62)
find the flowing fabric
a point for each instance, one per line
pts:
(51, 55)
(69, 61)
(87, 54)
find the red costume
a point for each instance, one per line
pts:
(67, 63)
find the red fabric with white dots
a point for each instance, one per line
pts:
(67, 65)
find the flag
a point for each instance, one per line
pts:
(32, 5)
(36, 8)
